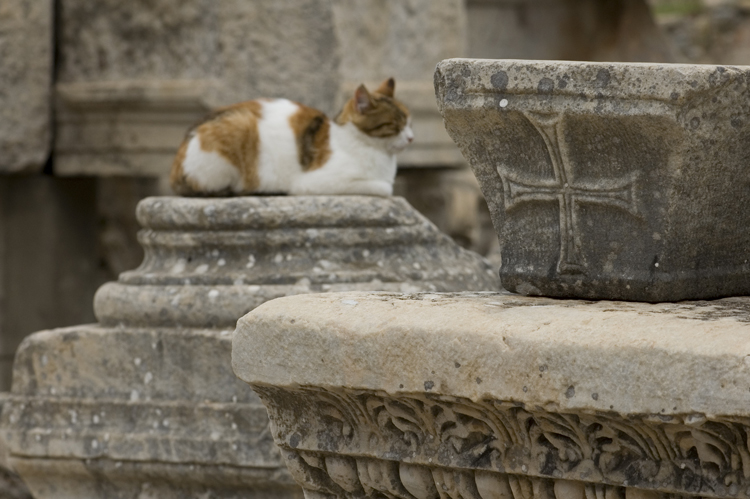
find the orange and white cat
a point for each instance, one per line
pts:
(280, 146)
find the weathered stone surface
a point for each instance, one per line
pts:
(621, 181)
(133, 77)
(498, 395)
(210, 261)
(25, 84)
(581, 30)
(98, 412)
(144, 404)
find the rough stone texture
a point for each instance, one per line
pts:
(25, 84)
(126, 413)
(210, 261)
(578, 30)
(619, 181)
(488, 395)
(144, 404)
(134, 76)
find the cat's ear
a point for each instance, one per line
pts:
(387, 87)
(362, 99)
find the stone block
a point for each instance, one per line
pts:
(133, 77)
(499, 395)
(582, 30)
(145, 404)
(614, 181)
(124, 413)
(26, 84)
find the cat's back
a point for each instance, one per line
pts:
(252, 146)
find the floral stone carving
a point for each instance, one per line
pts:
(515, 398)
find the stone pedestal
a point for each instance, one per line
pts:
(144, 403)
(489, 396)
(614, 181)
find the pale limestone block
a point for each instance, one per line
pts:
(25, 84)
(501, 396)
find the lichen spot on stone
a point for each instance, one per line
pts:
(429, 385)
(504, 103)
(570, 392)
(213, 294)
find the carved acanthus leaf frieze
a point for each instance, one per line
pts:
(683, 455)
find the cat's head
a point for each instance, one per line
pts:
(379, 115)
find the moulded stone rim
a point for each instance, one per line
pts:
(270, 212)
(698, 354)
(621, 80)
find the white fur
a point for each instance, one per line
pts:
(359, 164)
(278, 159)
(209, 169)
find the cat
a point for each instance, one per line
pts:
(277, 146)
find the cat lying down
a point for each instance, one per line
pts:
(279, 146)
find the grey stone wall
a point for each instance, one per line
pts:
(574, 30)
(25, 84)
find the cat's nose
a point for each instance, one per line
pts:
(410, 138)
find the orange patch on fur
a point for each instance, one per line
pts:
(232, 132)
(311, 130)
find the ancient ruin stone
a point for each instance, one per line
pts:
(134, 76)
(144, 403)
(489, 395)
(616, 181)
(25, 84)
(210, 261)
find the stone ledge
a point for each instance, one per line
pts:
(490, 395)
(559, 354)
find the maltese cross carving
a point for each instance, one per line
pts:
(568, 193)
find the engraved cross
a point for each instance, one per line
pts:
(564, 190)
